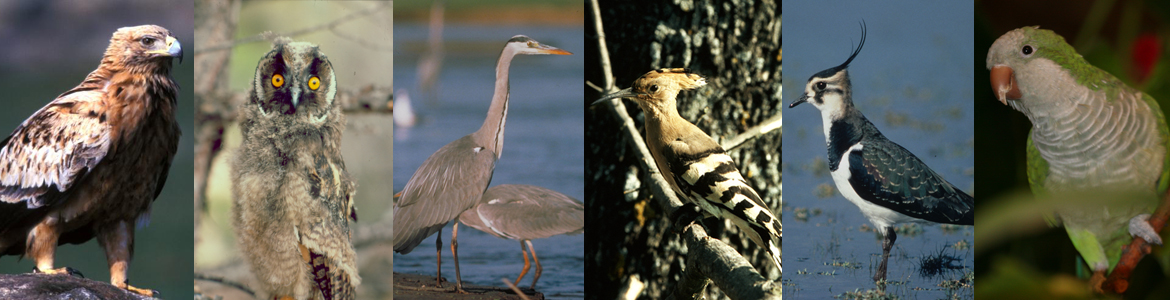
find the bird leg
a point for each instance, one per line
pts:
(685, 215)
(523, 252)
(537, 261)
(455, 253)
(1139, 226)
(439, 259)
(887, 243)
(119, 245)
(42, 245)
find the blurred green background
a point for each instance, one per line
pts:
(1017, 254)
(48, 47)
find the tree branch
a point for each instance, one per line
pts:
(268, 35)
(1131, 254)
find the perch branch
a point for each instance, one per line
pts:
(1131, 254)
(710, 258)
(44, 286)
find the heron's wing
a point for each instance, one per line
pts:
(53, 149)
(525, 212)
(890, 176)
(449, 182)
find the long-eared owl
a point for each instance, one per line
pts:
(292, 197)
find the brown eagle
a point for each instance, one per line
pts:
(90, 163)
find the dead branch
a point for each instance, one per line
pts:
(268, 36)
(768, 125)
(224, 281)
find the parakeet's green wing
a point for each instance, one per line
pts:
(1164, 131)
(1037, 173)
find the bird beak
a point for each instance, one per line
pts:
(174, 49)
(626, 93)
(546, 49)
(803, 99)
(1003, 82)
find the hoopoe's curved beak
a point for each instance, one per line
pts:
(626, 93)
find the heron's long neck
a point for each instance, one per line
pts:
(491, 134)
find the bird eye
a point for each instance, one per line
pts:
(821, 86)
(654, 88)
(277, 80)
(148, 41)
(1027, 50)
(314, 83)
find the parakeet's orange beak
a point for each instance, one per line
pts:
(1003, 82)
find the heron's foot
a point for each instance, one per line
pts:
(459, 290)
(141, 291)
(684, 216)
(1139, 226)
(283, 298)
(59, 271)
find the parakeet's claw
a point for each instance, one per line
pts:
(1139, 226)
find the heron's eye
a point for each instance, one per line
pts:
(277, 80)
(532, 44)
(821, 86)
(654, 88)
(1027, 50)
(148, 41)
(314, 83)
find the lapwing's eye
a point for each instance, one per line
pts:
(821, 86)
(654, 88)
(1027, 50)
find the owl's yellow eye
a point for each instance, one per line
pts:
(277, 80)
(314, 83)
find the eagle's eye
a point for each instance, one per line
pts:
(148, 41)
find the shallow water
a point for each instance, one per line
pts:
(543, 143)
(913, 81)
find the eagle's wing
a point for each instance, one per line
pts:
(53, 149)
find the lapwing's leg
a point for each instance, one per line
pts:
(455, 253)
(887, 243)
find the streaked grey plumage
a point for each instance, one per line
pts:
(454, 178)
(524, 213)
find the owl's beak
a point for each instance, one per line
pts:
(174, 49)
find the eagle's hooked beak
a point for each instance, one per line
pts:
(174, 49)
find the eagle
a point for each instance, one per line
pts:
(90, 163)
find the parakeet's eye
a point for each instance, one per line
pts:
(654, 88)
(277, 80)
(821, 86)
(314, 83)
(1027, 50)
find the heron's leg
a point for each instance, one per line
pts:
(523, 252)
(535, 260)
(439, 258)
(118, 242)
(887, 244)
(455, 253)
(42, 246)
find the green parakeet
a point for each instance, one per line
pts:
(1092, 136)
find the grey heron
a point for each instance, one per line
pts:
(454, 178)
(524, 213)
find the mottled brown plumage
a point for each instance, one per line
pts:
(90, 163)
(293, 198)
